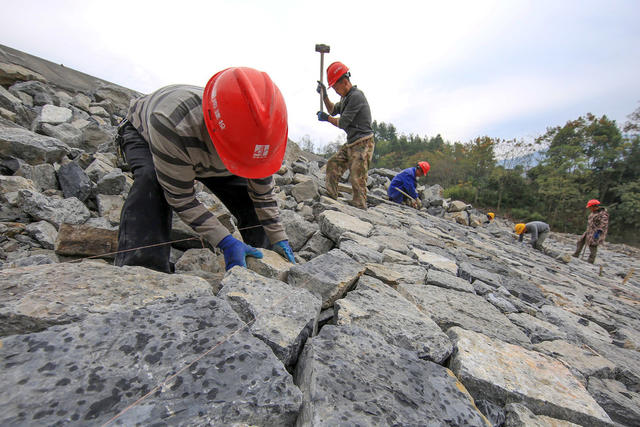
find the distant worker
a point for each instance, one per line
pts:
(597, 227)
(231, 136)
(539, 231)
(490, 217)
(355, 120)
(403, 186)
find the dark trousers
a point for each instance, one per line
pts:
(146, 216)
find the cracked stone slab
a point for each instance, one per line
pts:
(449, 281)
(350, 376)
(377, 307)
(454, 308)
(31, 295)
(362, 254)
(329, 275)
(518, 415)
(578, 328)
(281, 316)
(510, 373)
(271, 265)
(333, 224)
(536, 329)
(435, 261)
(622, 405)
(384, 274)
(582, 362)
(88, 372)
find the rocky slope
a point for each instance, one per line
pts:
(393, 316)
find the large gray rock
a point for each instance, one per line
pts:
(93, 134)
(509, 373)
(453, 308)
(43, 175)
(334, 223)
(582, 362)
(349, 376)
(164, 363)
(54, 115)
(12, 73)
(318, 244)
(74, 182)
(11, 184)
(65, 132)
(305, 191)
(280, 315)
(113, 183)
(271, 265)
(198, 260)
(42, 93)
(329, 275)
(518, 415)
(448, 281)
(621, 404)
(110, 207)
(578, 328)
(378, 308)
(53, 209)
(297, 228)
(362, 254)
(45, 233)
(435, 261)
(32, 300)
(31, 147)
(536, 329)
(472, 273)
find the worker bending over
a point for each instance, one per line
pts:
(403, 186)
(539, 231)
(231, 136)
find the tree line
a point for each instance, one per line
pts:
(548, 179)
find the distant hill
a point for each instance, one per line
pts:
(527, 161)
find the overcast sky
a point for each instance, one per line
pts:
(462, 69)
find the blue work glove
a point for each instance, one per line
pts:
(283, 248)
(235, 252)
(321, 89)
(322, 116)
(596, 235)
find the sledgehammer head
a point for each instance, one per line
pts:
(322, 48)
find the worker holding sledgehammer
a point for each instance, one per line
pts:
(355, 120)
(403, 186)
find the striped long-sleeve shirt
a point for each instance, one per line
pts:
(171, 120)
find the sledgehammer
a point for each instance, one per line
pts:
(322, 48)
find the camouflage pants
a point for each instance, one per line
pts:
(593, 249)
(356, 158)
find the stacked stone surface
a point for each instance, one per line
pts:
(391, 316)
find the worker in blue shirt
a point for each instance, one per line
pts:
(403, 186)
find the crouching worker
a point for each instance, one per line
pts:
(490, 217)
(231, 136)
(403, 186)
(539, 231)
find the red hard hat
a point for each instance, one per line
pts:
(425, 166)
(246, 117)
(593, 202)
(335, 71)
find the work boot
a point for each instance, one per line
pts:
(356, 205)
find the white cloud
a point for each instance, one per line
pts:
(459, 68)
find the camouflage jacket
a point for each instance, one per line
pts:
(598, 220)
